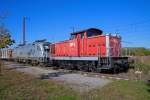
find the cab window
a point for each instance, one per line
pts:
(73, 36)
(46, 48)
(91, 34)
(82, 35)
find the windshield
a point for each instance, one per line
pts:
(46, 48)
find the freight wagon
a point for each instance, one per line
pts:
(6, 53)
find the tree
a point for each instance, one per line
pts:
(5, 38)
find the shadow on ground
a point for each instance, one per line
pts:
(50, 75)
(15, 68)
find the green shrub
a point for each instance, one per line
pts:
(145, 68)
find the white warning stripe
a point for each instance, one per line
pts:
(107, 45)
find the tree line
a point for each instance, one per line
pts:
(135, 51)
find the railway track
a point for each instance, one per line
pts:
(120, 76)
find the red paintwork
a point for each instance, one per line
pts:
(115, 44)
(65, 48)
(86, 46)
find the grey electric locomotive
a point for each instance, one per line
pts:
(35, 53)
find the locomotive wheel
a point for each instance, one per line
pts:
(92, 67)
(70, 66)
(115, 69)
(86, 68)
(98, 70)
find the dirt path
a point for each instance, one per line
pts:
(78, 82)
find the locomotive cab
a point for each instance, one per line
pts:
(86, 33)
(88, 41)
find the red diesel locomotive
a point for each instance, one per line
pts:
(89, 50)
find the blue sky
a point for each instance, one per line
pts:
(53, 19)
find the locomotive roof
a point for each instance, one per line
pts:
(89, 29)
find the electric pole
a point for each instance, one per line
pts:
(24, 30)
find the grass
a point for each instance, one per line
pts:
(19, 86)
(123, 90)
(16, 85)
